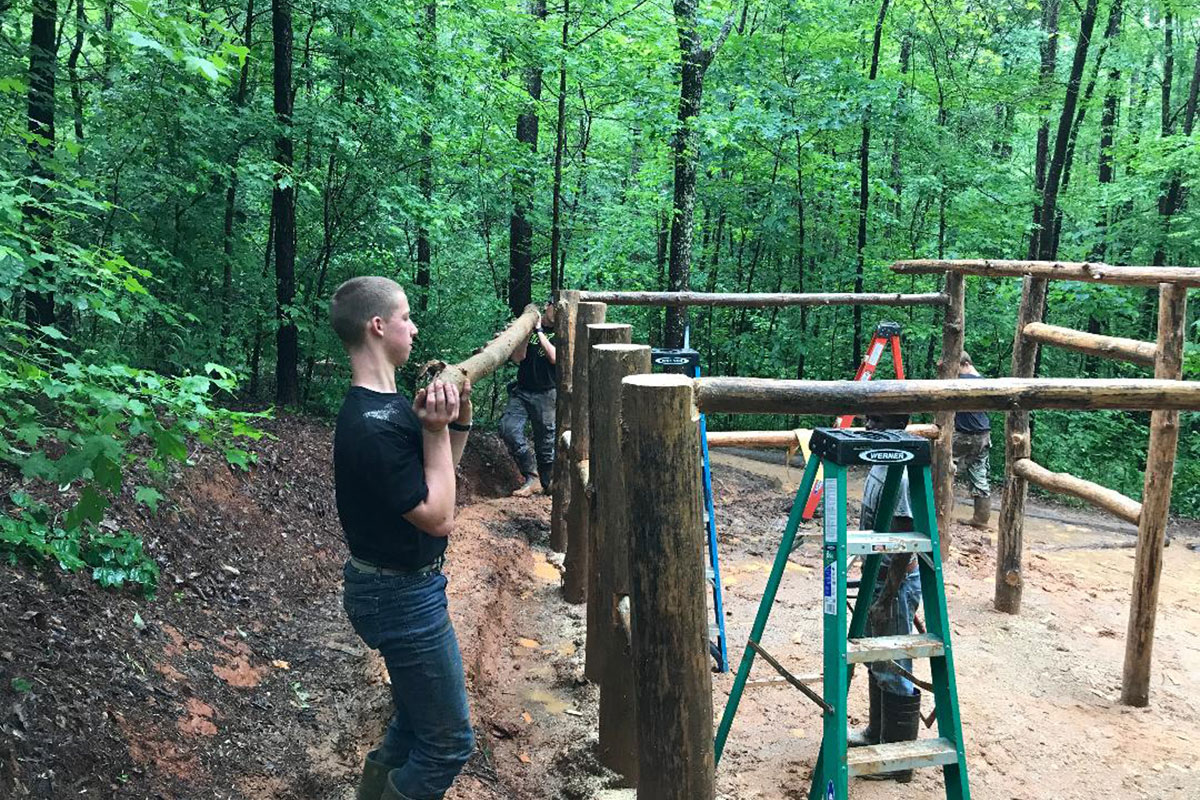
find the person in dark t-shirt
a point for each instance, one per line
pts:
(531, 399)
(972, 446)
(393, 466)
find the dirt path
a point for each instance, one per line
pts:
(243, 679)
(1038, 691)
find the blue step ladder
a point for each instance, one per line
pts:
(687, 362)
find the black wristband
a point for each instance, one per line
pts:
(454, 426)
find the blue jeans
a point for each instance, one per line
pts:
(898, 622)
(537, 409)
(405, 618)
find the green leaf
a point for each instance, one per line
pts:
(204, 67)
(149, 496)
(240, 458)
(21, 685)
(90, 508)
(52, 332)
(133, 285)
(107, 473)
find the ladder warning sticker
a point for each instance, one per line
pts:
(831, 588)
(829, 791)
(830, 513)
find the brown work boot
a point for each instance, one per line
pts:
(529, 488)
(983, 512)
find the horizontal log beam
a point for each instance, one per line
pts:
(765, 396)
(1093, 344)
(1188, 277)
(763, 300)
(768, 439)
(1111, 501)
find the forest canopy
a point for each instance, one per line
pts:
(183, 184)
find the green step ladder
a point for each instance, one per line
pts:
(834, 450)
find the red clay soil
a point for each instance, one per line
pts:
(243, 679)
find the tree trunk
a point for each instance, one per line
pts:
(864, 164)
(425, 175)
(520, 229)
(43, 56)
(283, 210)
(559, 146)
(1047, 246)
(1049, 54)
(685, 146)
(1172, 200)
(1108, 124)
(239, 101)
(73, 72)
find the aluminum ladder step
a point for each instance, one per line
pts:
(885, 648)
(865, 543)
(877, 758)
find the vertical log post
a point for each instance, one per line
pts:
(575, 565)
(1009, 579)
(943, 448)
(593, 665)
(1156, 501)
(661, 447)
(610, 533)
(564, 330)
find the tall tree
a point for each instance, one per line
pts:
(694, 61)
(428, 33)
(520, 229)
(1047, 242)
(864, 189)
(227, 239)
(556, 263)
(283, 211)
(43, 57)
(1048, 49)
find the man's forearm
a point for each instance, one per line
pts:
(439, 475)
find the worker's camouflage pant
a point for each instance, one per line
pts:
(537, 410)
(971, 456)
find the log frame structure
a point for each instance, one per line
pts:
(662, 522)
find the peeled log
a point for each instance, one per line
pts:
(765, 396)
(1093, 344)
(1156, 503)
(1111, 501)
(763, 300)
(1056, 270)
(661, 455)
(495, 353)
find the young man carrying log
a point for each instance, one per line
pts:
(531, 398)
(895, 704)
(394, 476)
(972, 445)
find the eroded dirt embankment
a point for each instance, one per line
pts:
(242, 678)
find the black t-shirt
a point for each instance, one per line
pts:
(379, 475)
(972, 421)
(535, 373)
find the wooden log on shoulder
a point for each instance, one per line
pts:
(560, 484)
(953, 333)
(610, 649)
(765, 396)
(1111, 501)
(1156, 503)
(1010, 580)
(1093, 344)
(576, 564)
(492, 355)
(666, 564)
(602, 334)
(1188, 277)
(763, 300)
